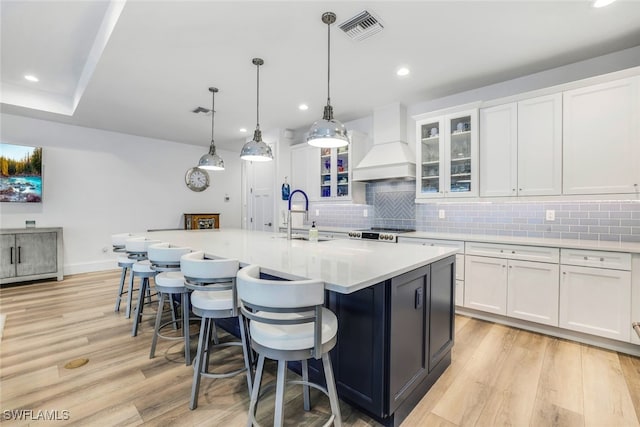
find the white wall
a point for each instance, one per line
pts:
(97, 183)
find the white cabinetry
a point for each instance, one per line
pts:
(447, 154)
(532, 292)
(486, 284)
(521, 148)
(516, 281)
(600, 138)
(596, 300)
(305, 169)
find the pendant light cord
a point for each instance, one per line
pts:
(258, 97)
(213, 112)
(328, 63)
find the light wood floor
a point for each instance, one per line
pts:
(498, 376)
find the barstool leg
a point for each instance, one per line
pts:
(305, 388)
(245, 351)
(331, 389)
(129, 295)
(278, 416)
(173, 312)
(138, 315)
(256, 390)
(156, 329)
(195, 386)
(120, 288)
(186, 311)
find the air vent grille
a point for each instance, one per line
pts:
(362, 26)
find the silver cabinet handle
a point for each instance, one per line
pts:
(636, 327)
(586, 258)
(268, 223)
(602, 259)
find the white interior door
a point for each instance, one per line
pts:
(261, 205)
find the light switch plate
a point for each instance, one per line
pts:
(551, 215)
(441, 214)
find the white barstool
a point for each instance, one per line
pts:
(287, 322)
(214, 296)
(136, 248)
(165, 260)
(124, 262)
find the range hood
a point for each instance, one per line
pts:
(390, 156)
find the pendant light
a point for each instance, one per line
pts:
(328, 132)
(257, 150)
(211, 161)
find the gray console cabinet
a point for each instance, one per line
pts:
(30, 254)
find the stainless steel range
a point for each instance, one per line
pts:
(388, 235)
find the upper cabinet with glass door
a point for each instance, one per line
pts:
(336, 165)
(447, 147)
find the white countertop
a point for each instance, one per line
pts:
(344, 265)
(553, 243)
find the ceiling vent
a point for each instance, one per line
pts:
(362, 26)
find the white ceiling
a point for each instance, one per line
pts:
(141, 67)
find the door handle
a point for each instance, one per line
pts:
(11, 256)
(19, 254)
(418, 298)
(268, 223)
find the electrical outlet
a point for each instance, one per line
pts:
(551, 215)
(226, 197)
(317, 212)
(365, 213)
(441, 214)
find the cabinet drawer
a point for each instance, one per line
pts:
(434, 242)
(525, 253)
(601, 259)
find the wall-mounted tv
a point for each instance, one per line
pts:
(20, 173)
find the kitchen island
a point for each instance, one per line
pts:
(394, 303)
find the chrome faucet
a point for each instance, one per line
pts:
(305, 211)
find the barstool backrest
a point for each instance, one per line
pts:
(137, 247)
(278, 293)
(165, 256)
(300, 301)
(196, 267)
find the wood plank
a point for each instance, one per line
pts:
(606, 395)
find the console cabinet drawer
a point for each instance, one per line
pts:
(601, 259)
(525, 253)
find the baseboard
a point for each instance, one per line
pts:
(620, 346)
(90, 267)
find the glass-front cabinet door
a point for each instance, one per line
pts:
(448, 153)
(432, 153)
(459, 158)
(334, 172)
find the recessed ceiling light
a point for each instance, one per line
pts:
(602, 3)
(402, 71)
(243, 130)
(31, 78)
(303, 107)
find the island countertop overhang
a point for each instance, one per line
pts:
(345, 266)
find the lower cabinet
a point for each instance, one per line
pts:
(394, 340)
(485, 286)
(532, 292)
(526, 290)
(30, 254)
(596, 301)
